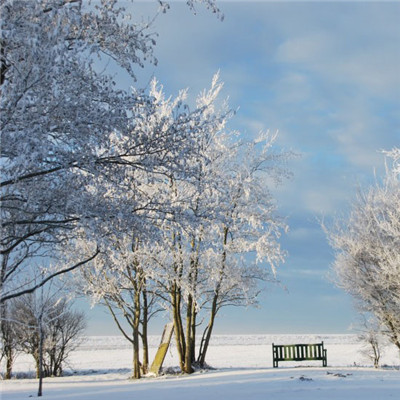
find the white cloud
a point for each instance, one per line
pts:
(312, 49)
(360, 50)
(324, 75)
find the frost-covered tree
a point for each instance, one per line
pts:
(180, 272)
(68, 134)
(248, 233)
(214, 259)
(206, 252)
(124, 287)
(371, 335)
(46, 326)
(367, 247)
(9, 343)
(120, 280)
(130, 259)
(55, 112)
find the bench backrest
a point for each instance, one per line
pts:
(299, 352)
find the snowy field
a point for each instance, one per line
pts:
(100, 370)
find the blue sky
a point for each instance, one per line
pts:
(326, 75)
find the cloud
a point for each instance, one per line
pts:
(325, 74)
(311, 49)
(343, 77)
(323, 183)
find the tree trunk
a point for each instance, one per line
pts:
(189, 338)
(377, 355)
(145, 365)
(136, 360)
(3, 64)
(207, 333)
(393, 332)
(40, 357)
(178, 329)
(36, 357)
(136, 337)
(194, 316)
(9, 364)
(58, 361)
(6, 332)
(191, 313)
(7, 347)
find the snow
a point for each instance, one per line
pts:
(100, 369)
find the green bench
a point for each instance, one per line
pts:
(299, 352)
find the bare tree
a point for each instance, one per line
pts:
(367, 246)
(48, 328)
(371, 335)
(9, 344)
(120, 281)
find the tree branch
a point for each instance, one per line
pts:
(44, 281)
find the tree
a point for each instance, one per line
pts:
(122, 278)
(367, 245)
(63, 335)
(9, 343)
(248, 232)
(121, 281)
(206, 251)
(48, 328)
(231, 225)
(66, 129)
(179, 271)
(371, 335)
(50, 96)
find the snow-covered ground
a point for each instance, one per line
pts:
(100, 370)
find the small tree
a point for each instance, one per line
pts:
(120, 281)
(63, 335)
(9, 348)
(48, 329)
(371, 335)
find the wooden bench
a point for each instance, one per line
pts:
(299, 352)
